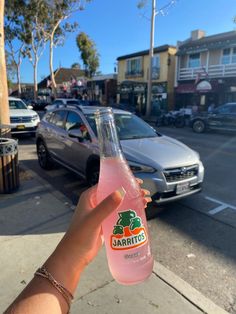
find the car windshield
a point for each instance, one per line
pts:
(128, 126)
(17, 104)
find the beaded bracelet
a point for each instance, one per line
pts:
(42, 272)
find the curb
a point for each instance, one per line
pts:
(188, 292)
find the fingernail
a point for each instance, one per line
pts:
(121, 191)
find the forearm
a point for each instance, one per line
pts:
(40, 296)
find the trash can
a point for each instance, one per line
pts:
(9, 165)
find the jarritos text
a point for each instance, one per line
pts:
(128, 232)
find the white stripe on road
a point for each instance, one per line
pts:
(218, 208)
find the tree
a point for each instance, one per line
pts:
(24, 37)
(56, 26)
(15, 36)
(75, 65)
(11, 69)
(35, 15)
(4, 107)
(88, 54)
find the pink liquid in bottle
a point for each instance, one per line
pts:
(125, 230)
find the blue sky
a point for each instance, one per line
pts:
(118, 27)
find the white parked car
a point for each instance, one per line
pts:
(22, 118)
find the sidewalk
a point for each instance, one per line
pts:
(33, 220)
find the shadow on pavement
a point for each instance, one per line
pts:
(211, 234)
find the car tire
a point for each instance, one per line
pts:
(199, 126)
(93, 174)
(44, 158)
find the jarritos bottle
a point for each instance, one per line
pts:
(125, 231)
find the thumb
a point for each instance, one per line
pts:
(107, 206)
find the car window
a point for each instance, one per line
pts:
(74, 121)
(58, 118)
(17, 104)
(128, 126)
(47, 116)
(233, 109)
(224, 109)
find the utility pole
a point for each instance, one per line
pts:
(149, 90)
(4, 107)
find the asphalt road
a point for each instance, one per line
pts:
(195, 237)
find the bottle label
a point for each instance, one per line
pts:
(128, 232)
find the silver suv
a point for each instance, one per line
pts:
(169, 169)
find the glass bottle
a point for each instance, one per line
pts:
(125, 230)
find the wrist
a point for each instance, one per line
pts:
(66, 264)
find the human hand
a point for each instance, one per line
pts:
(85, 230)
(83, 239)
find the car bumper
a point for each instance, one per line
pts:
(24, 130)
(162, 191)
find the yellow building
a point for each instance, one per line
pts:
(133, 73)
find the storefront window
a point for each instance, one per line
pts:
(194, 60)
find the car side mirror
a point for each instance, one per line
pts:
(30, 107)
(76, 133)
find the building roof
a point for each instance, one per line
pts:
(145, 52)
(62, 75)
(208, 42)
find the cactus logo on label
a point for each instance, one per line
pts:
(128, 232)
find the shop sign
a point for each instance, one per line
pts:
(204, 86)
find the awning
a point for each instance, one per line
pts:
(188, 88)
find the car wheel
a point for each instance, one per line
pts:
(93, 175)
(44, 158)
(199, 126)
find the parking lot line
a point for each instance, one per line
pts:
(218, 208)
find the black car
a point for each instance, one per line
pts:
(222, 118)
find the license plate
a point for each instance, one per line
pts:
(20, 127)
(182, 188)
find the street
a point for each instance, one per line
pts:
(195, 237)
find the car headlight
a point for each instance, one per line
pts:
(137, 167)
(35, 117)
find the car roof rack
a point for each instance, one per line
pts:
(69, 106)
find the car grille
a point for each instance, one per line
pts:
(20, 119)
(181, 173)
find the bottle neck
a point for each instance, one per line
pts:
(109, 143)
